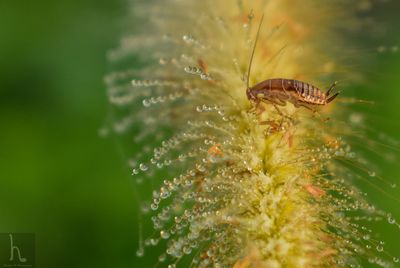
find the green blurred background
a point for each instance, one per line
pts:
(58, 178)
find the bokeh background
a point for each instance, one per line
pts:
(58, 178)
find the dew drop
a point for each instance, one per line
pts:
(205, 77)
(381, 49)
(143, 167)
(164, 194)
(393, 185)
(103, 132)
(379, 248)
(396, 260)
(187, 250)
(164, 234)
(162, 258)
(144, 208)
(140, 252)
(146, 103)
(371, 173)
(154, 242)
(391, 220)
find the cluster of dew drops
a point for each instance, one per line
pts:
(140, 169)
(145, 167)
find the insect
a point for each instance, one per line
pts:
(279, 91)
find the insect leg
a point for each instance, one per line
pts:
(284, 89)
(280, 102)
(255, 105)
(274, 103)
(305, 105)
(259, 109)
(332, 98)
(330, 88)
(277, 109)
(315, 112)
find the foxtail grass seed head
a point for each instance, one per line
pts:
(226, 182)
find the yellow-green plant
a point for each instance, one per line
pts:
(234, 184)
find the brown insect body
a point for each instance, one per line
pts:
(279, 91)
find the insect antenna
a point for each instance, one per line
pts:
(252, 53)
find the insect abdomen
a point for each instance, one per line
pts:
(309, 93)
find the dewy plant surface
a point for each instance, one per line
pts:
(226, 183)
